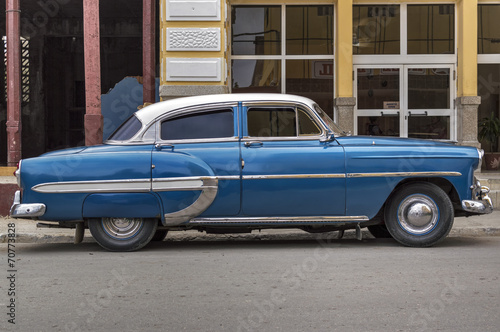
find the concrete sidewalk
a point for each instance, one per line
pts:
(27, 232)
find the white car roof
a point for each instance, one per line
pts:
(150, 113)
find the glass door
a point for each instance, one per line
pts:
(429, 108)
(379, 95)
(413, 101)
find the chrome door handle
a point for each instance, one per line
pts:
(253, 143)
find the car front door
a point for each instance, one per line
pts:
(288, 169)
(196, 163)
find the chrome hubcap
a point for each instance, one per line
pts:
(418, 214)
(121, 228)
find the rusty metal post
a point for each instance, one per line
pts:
(92, 53)
(148, 50)
(13, 18)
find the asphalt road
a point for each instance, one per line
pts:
(369, 285)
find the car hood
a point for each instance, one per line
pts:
(388, 141)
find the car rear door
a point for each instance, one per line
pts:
(196, 163)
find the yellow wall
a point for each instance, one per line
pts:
(164, 54)
(466, 41)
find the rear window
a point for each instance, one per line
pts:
(213, 124)
(127, 130)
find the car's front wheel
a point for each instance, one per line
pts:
(122, 234)
(419, 215)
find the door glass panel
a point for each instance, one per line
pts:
(376, 29)
(488, 87)
(309, 30)
(429, 127)
(202, 125)
(378, 88)
(312, 79)
(488, 31)
(378, 125)
(256, 30)
(428, 88)
(256, 76)
(307, 127)
(272, 122)
(431, 29)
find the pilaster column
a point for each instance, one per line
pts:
(345, 109)
(467, 108)
(92, 54)
(13, 17)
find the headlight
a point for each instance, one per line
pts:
(17, 173)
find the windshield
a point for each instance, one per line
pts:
(329, 122)
(127, 130)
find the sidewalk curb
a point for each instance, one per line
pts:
(181, 236)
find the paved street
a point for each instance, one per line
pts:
(271, 285)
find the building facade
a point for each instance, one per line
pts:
(419, 69)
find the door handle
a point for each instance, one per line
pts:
(159, 146)
(253, 143)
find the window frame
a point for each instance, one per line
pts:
(486, 58)
(311, 114)
(403, 57)
(199, 110)
(283, 57)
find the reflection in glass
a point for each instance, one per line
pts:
(376, 29)
(428, 88)
(256, 76)
(309, 30)
(312, 79)
(256, 30)
(378, 125)
(431, 29)
(488, 87)
(488, 32)
(272, 122)
(429, 127)
(378, 88)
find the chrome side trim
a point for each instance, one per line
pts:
(209, 188)
(293, 176)
(279, 220)
(31, 210)
(402, 174)
(176, 184)
(106, 186)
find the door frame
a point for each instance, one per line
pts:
(403, 111)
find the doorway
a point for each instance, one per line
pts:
(413, 101)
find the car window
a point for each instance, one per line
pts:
(307, 127)
(127, 130)
(212, 124)
(272, 122)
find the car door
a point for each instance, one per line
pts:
(196, 163)
(288, 169)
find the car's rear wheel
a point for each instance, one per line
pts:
(379, 231)
(122, 234)
(419, 215)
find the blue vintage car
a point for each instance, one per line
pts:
(240, 162)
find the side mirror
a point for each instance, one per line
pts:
(327, 138)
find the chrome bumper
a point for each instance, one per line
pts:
(31, 210)
(481, 206)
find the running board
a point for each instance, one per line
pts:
(277, 220)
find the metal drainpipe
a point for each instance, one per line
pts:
(92, 54)
(148, 50)
(13, 18)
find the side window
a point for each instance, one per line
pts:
(212, 124)
(307, 127)
(272, 122)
